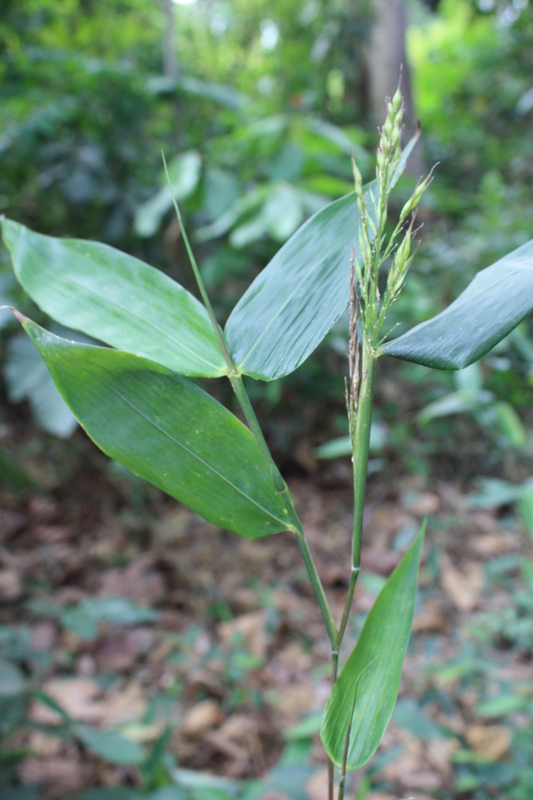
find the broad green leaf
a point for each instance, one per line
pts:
(12, 681)
(294, 301)
(373, 669)
(110, 745)
(116, 298)
(165, 429)
(494, 303)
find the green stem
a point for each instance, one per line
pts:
(199, 280)
(348, 603)
(360, 455)
(281, 486)
(318, 590)
(249, 413)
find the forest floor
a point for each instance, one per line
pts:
(220, 654)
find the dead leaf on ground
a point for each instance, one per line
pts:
(380, 561)
(247, 629)
(50, 534)
(137, 582)
(202, 717)
(317, 786)
(491, 544)
(124, 706)
(438, 755)
(462, 586)
(422, 503)
(491, 741)
(10, 585)
(77, 696)
(43, 744)
(431, 618)
(59, 775)
(122, 648)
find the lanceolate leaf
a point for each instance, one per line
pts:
(498, 298)
(294, 301)
(167, 430)
(372, 672)
(116, 298)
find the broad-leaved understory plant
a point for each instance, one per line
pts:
(136, 401)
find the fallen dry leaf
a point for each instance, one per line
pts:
(431, 618)
(43, 744)
(317, 786)
(59, 775)
(137, 582)
(462, 587)
(120, 650)
(438, 755)
(77, 696)
(124, 706)
(423, 503)
(491, 741)
(247, 629)
(202, 717)
(10, 585)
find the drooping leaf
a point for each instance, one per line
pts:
(110, 745)
(116, 298)
(494, 303)
(168, 431)
(294, 301)
(373, 669)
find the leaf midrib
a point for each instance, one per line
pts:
(109, 300)
(190, 452)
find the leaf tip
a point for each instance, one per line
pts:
(21, 318)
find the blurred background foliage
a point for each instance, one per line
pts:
(257, 107)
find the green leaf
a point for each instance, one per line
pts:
(12, 680)
(294, 301)
(165, 429)
(110, 745)
(379, 654)
(526, 508)
(116, 298)
(494, 303)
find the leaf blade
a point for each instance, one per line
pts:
(168, 431)
(295, 300)
(492, 305)
(116, 298)
(383, 640)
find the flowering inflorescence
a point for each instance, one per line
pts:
(374, 246)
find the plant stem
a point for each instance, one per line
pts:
(318, 590)
(281, 486)
(360, 453)
(361, 446)
(331, 765)
(199, 279)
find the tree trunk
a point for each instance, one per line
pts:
(170, 63)
(385, 61)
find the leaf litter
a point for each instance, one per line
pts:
(235, 655)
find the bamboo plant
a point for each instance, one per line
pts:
(136, 400)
